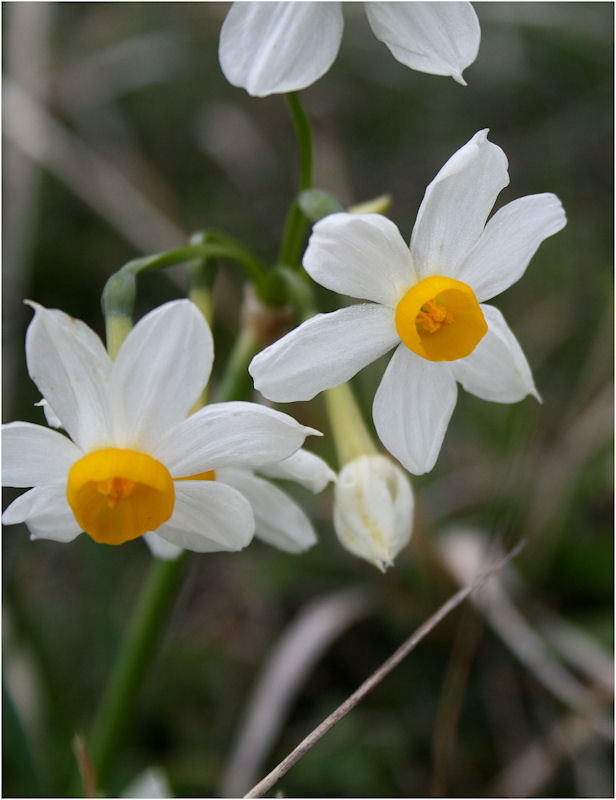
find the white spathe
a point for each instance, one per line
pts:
(373, 509)
(270, 48)
(365, 257)
(139, 402)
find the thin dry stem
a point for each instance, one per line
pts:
(400, 654)
(86, 770)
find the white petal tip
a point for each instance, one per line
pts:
(33, 305)
(329, 477)
(457, 76)
(312, 431)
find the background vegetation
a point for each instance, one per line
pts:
(122, 137)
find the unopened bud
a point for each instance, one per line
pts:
(373, 509)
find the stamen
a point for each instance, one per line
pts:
(432, 316)
(114, 489)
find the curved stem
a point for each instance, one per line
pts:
(223, 247)
(119, 291)
(295, 223)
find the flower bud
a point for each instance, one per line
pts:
(373, 509)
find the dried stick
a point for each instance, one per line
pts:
(86, 771)
(400, 654)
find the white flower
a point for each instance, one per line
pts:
(425, 302)
(373, 509)
(136, 462)
(270, 48)
(279, 519)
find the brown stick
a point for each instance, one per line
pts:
(302, 748)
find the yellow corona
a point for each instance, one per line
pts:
(440, 319)
(118, 495)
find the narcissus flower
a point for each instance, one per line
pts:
(269, 48)
(427, 302)
(279, 520)
(135, 461)
(373, 509)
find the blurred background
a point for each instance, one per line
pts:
(121, 137)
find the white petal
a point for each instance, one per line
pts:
(160, 370)
(456, 205)
(361, 255)
(50, 415)
(269, 48)
(46, 512)
(71, 368)
(230, 434)
(438, 38)
(302, 467)
(208, 516)
(508, 243)
(160, 547)
(33, 455)
(279, 520)
(324, 352)
(412, 408)
(497, 368)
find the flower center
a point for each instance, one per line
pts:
(440, 319)
(118, 495)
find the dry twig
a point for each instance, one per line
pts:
(400, 654)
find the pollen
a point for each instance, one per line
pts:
(118, 495)
(440, 319)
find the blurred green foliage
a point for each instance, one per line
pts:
(140, 84)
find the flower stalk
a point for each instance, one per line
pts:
(118, 297)
(157, 595)
(137, 649)
(295, 223)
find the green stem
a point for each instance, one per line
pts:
(119, 293)
(143, 633)
(295, 223)
(236, 382)
(222, 247)
(136, 652)
(304, 139)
